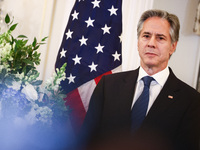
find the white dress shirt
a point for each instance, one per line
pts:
(155, 87)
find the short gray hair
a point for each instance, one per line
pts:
(171, 18)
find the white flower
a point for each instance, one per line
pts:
(30, 92)
(45, 114)
(55, 87)
(16, 85)
(37, 113)
(20, 76)
(49, 81)
(7, 47)
(4, 66)
(54, 82)
(5, 50)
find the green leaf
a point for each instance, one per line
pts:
(13, 27)
(7, 19)
(33, 72)
(12, 41)
(22, 36)
(37, 83)
(24, 70)
(41, 43)
(34, 42)
(28, 61)
(24, 42)
(36, 47)
(44, 39)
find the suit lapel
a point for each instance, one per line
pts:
(166, 97)
(127, 91)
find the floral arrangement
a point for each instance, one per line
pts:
(23, 101)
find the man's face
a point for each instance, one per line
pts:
(154, 44)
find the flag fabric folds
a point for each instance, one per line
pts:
(91, 47)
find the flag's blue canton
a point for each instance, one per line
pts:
(91, 44)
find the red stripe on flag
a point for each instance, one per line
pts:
(97, 79)
(78, 112)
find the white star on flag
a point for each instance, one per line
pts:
(62, 53)
(93, 67)
(99, 48)
(116, 56)
(106, 29)
(75, 15)
(71, 78)
(96, 3)
(89, 22)
(83, 41)
(121, 37)
(77, 60)
(69, 34)
(113, 11)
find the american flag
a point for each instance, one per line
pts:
(91, 46)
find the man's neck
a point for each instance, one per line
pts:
(152, 70)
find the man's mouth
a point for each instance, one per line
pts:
(150, 54)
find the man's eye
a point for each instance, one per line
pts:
(146, 36)
(160, 38)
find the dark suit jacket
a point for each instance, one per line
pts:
(175, 113)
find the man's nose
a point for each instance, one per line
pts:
(152, 42)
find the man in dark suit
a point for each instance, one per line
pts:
(172, 115)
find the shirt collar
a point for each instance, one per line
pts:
(160, 77)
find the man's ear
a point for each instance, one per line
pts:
(173, 48)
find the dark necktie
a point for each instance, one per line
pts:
(139, 109)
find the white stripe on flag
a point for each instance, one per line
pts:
(86, 91)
